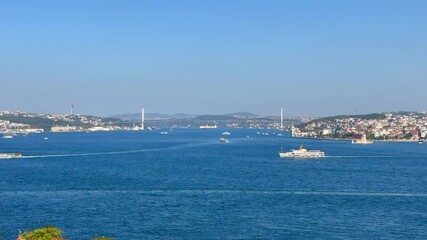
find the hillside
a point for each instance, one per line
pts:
(371, 116)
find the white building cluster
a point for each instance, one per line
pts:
(390, 126)
(11, 123)
(10, 127)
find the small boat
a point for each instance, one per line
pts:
(224, 140)
(226, 133)
(45, 138)
(208, 126)
(280, 135)
(164, 133)
(302, 153)
(10, 155)
(7, 136)
(421, 140)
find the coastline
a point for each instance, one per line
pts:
(349, 139)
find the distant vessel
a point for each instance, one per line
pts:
(224, 140)
(164, 133)
(360, 139)
(7, 136)
(302, 153)
(45, 138)
(226, 133)
(208, 126)
(10, 155)
(421, 140)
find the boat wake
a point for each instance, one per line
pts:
(122, 152)
(222, 191)
(375, 156)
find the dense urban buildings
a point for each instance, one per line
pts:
(385, 126)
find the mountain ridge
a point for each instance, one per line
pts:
(137, 116)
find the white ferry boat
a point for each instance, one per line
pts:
(302, 153)
(10, 155)
(223, 140)
(208, 126)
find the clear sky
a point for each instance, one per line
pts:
(209, 56)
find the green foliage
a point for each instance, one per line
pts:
(49, 233)
(408, 136)
(46, 124)
(370, 135)
(46, 233)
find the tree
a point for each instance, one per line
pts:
(46, 233)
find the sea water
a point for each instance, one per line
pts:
(188, 185)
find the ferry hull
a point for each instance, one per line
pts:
(302, 153)
(10, 155)
(286, 155)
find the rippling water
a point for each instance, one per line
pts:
(187, 185)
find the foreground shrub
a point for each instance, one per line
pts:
(46, 233)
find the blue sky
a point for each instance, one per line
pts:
(311, 57)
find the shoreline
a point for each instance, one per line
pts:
(349, 139)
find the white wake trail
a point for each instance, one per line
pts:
(121, 152)
(376, 156)
(224, 191)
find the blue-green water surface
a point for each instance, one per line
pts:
(188, 185)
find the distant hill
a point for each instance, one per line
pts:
(241, 114)
(333, 118)
(215, 117)
(148, 116)
(46, 121)
(137, 116)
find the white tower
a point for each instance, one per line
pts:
(281, 118)
(142, 118)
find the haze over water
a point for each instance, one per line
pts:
(315, 58)
(144, 185)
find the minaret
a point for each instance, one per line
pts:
(281, 118)
(72, 108)
(142, 119)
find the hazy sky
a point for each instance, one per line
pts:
(210, 56)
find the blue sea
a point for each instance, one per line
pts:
(187, 185)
